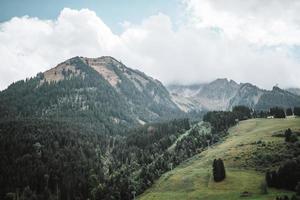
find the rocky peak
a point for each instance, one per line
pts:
(276, 88)
(103, 65)
(66, 68)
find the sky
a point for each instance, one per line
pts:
(174, 41)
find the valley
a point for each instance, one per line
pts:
(93, 128)
(149, 100)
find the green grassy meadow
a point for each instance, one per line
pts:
(242, 150)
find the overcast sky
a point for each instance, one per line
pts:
(188, 41)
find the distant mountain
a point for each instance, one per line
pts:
(223, 94)
(277, 97)
(294, 91)
(100, 91)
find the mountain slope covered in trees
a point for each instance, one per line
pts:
(101, 92)
(46, 159)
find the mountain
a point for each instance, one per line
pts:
(247, 94)
(277, 97)
(223, 94)
(101, 91)
(294, 91)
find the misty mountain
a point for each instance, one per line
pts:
(294, 91)
(223, 94)
(100, 91)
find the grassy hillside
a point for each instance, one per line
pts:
(248, 150)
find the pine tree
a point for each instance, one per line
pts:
(297, 111)
(277, 112)
(289, 112)
(218, 170)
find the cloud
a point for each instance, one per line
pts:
(197, 50)
(29, 45)
(263, 22)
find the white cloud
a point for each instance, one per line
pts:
(263, 22)
(195, 51)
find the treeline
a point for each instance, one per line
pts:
(222, 120)
(278, 112)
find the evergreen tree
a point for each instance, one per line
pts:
(218, 170)
(242, 112)
(289, 112)
(297, 111)
(277, 112)
(290, 136)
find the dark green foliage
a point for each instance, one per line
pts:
(282, 197)
(194, 142)
(220, 120)
(218, 170)
(289, 112)
(67, 152)
(260, 114)
(297, 111)
(264, 188)
(73, 161)
(277, 112)
(242, 112)
(287, 176)
(290, 136)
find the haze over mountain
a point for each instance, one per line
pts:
(223, 94)
(294, 90)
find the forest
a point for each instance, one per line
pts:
(49, 159)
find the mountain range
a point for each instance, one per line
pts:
(224, 94)
(104, 92)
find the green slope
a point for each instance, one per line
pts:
(246, 142)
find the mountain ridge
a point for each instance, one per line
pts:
(99, 91)
(224, 94)
(103, 90)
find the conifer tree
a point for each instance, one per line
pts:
(218, 170)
